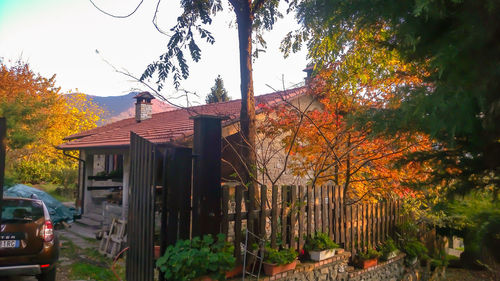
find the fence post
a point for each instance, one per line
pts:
(207, 195)
(3, 136)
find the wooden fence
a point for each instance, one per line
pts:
(292, 212)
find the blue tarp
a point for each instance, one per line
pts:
(58, 212)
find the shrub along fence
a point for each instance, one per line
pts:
(284, 215)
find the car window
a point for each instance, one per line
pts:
(21, 210)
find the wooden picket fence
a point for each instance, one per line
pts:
(296, 211)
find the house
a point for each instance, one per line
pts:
(104, 151)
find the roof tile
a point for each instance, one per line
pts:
(166, 126)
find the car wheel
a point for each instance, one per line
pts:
(49, 275)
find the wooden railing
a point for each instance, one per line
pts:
(287, 214)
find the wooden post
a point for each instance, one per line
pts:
(225, 210)
(324, 209)
(293, 216)
(274, 216)
(284, 213)
(302, 212)
(310, 202)
(330, 210)
(238, 195)
(317, 208)
(207, 195)
(263, 217)
(342, 210)
(3, 135)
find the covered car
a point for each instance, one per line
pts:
(58, 212)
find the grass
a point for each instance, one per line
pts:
(89, 264)
(58, 192)
(89, 271)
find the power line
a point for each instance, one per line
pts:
(117, 16)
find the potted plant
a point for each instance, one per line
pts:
(389, 249)
(277, 261)
(368, 259)
(414, 250)
(320, 246)
(197, 259)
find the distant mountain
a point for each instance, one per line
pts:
(122, 107)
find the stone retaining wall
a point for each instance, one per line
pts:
(336, 269)
(391, 270)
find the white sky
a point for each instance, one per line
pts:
(60, 37)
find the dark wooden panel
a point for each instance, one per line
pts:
(207, 146)
(140, 259)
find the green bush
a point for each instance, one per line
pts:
(189, 259)
(414, 249)
(387, 248)
(368, 255)
(279, 257)
(319, 242)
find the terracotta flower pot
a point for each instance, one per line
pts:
(237, 270)
(273, 269)
(321, 255)
(157, 252)
(364, 264)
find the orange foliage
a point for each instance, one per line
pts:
(326, 146)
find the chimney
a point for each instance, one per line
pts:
(143, 106)
(308, 70)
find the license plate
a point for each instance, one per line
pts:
(9, 243)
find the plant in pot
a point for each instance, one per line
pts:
(320, 246)
(277, 261)
(389, 250)
(197, 259)
(368, 259)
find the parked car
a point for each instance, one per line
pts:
(28, 244)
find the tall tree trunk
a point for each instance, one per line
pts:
(247, 114)
(244, 19)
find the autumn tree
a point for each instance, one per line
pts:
(217, 93)
(38, 118)
(325, 146)
(456, 43)
(330, 146)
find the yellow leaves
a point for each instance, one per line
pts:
(39, 117)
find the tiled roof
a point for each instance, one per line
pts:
(167, 126)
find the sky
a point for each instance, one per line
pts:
(61, 37)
